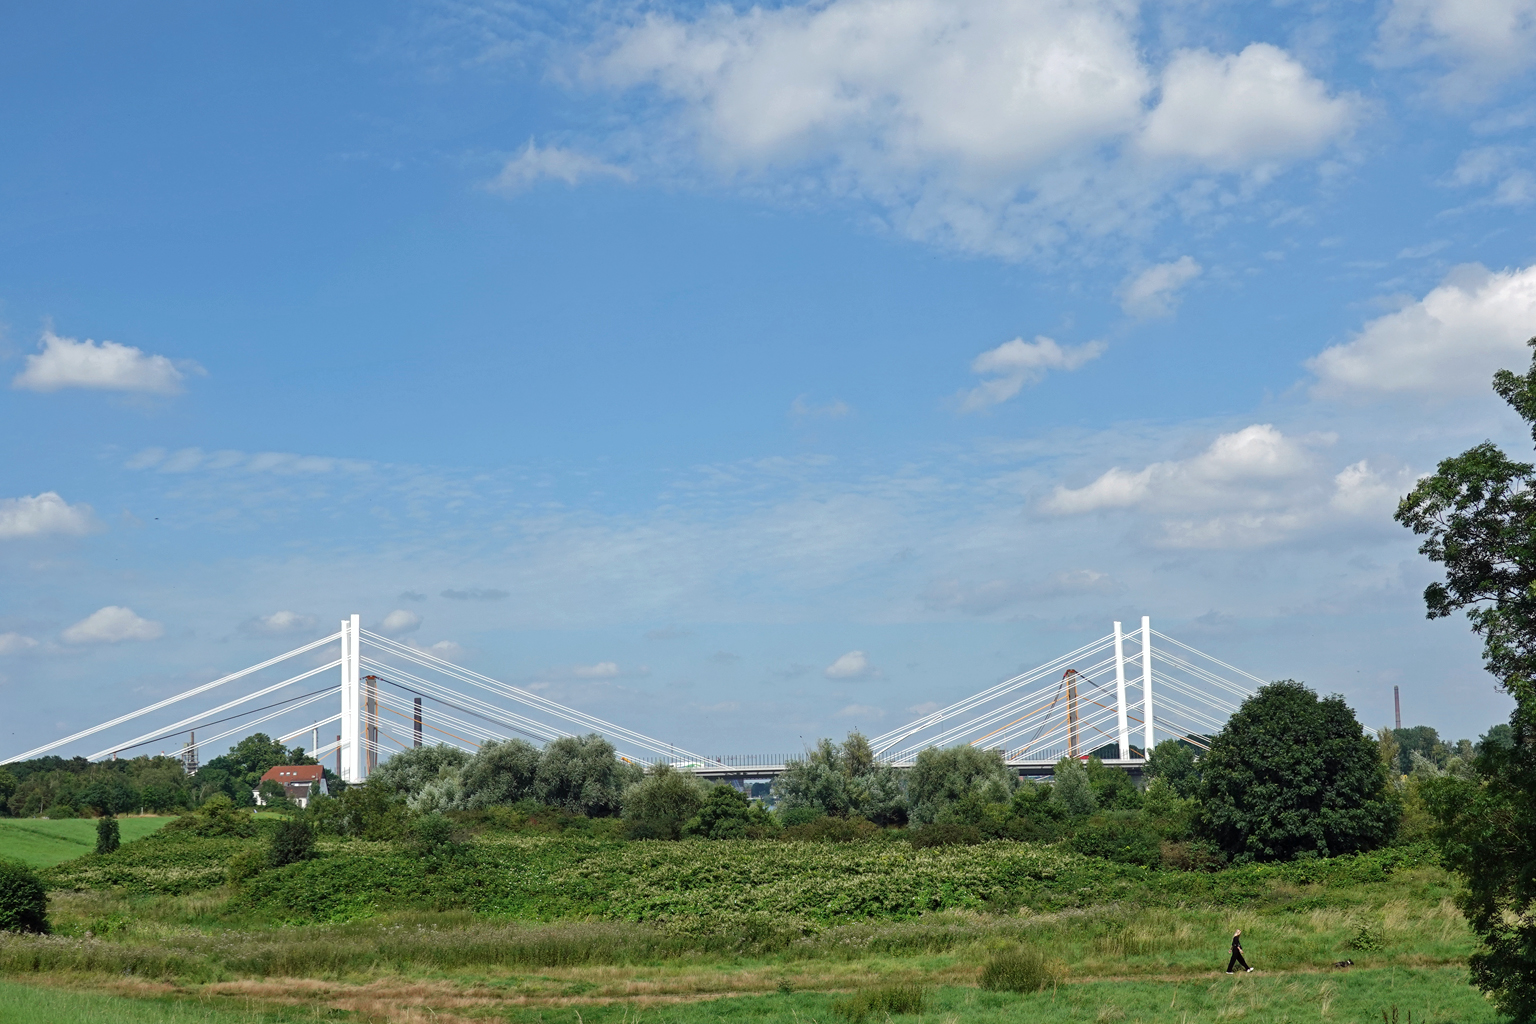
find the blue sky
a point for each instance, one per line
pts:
(694, 348)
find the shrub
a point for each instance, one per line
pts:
(827, 829)
(108, 837)
(1018, 970)
(246, 864)
(368, 811)
(944, 835)
(23, 900)
(218, 818)
(1125, 840)
(659, 805)
(881, 1002)
(293, 841)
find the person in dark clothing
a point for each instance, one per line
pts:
(1237, 953)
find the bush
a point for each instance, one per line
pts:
(293, 841)
(827, 829)
(23, 900)
(944, 835)
(1018, 970)
(246, 864)
(1125, 840)
(218, 818)
(108, 837)
(881, 1002)
(658, 806)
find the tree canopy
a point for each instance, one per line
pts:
(1477, 515)
(843, 780)
(1292, 774)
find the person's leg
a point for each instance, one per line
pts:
(1236, 956)
(1239, 955)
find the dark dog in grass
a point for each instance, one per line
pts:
(1343, 963)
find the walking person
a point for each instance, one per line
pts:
(1237, 953)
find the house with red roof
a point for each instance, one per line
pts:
(299, 782)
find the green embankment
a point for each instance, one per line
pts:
(43, 843)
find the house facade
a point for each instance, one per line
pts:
(299, 781)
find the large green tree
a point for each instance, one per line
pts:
(1477, 515)
(1292, 774)
(843, 780)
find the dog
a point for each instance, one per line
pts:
(1343, 963)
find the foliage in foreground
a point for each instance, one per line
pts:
(23, 899)
(1477, 514)
(1018, 970)
(881, 1002)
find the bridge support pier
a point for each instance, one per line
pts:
(351, 750)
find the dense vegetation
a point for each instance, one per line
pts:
(1477, 514)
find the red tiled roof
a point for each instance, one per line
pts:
(294, 773)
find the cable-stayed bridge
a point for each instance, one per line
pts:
(1100, 699)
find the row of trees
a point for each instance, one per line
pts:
(58, 787)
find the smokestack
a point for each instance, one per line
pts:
(418, 721)
(1397, 707)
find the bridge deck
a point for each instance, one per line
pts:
(1134, 765)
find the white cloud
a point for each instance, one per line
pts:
(860, 711)
(602, 670)
(109, 366)
(1247, 110)
(280, 622)
(111, 625)
(42, 514)
(853, 665)
(1478, 45)
(399, 622)
(15, 643)
(533, 165)
(1448, 343)
(1359, 490)
(1506, 168)
(1259, 453)
(1154, 292)
(801, 409)
(447, 650)
(1018, 362)
(996, 128)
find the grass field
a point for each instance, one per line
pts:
(43, 843)
(33, 1004)
(592, 931)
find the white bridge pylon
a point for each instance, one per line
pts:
(1110, 693)
(1126, 691)
(392, 697)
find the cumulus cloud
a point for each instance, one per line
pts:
(1018, 362)
(108, 366)
(111, 625)
(1154, 291)
(1248, 110)
(853, 665)
(399, 622)
(601, 670)
(1256, 453)
(1476, 46)
(279, 622)
(534, 165)
(1448, 343)
(15, 643)
(989, 127)
(43, 514)
(1249, 488)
